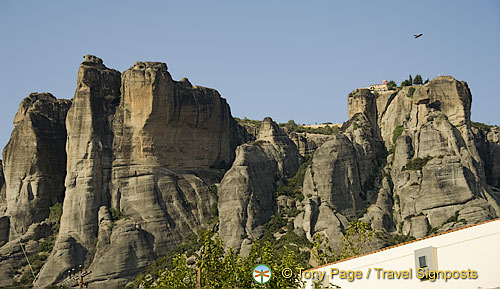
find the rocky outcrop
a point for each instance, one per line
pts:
(487, 140)
(90, 156)
(145, 148)
(3, 200)
(308, 143)
(247, 193)
(437, 171)
(440, 173)
(34, 161)
(151, 160)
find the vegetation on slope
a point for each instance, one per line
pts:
(293, 186)
(45, 246)
(328, 129)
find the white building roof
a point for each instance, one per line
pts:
(464, 250)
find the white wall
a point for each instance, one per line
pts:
(476, 248)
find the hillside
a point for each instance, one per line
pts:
(137, 164)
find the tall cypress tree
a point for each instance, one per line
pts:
(418, 79)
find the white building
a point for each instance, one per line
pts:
(467, 257)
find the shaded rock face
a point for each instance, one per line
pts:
(34, 161)
(247, 192)
(308, 143)
(488, 144)
(147, 147)
(3, 200)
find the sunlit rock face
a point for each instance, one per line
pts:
(144, 145)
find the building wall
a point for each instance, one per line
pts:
(475, 248)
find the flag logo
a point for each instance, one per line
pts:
(262, 274)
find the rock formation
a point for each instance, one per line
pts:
(145, 148)
(438, 175)
(34, 166)
(247, 192)
(34, 161)
(142, 161)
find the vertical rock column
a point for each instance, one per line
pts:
(89, 151)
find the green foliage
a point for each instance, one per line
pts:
(248, 122)
(411, 90)
(47, 245)
(398, 239)
(328, 129)
(454, 219)
(405, 83)
(153, 271)
(291, 125)
(293, 187)
(116, 214)
(220, 269)
(213, 191)
(417, 164)
(396, 133)
(426, 81)
(481, 126)
(55, 216)
(391, 85)
(410, 80)
(418, 79)
(321, 251)
(356, 237)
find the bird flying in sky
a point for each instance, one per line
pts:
(418, 35)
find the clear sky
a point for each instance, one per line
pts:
(285, 59)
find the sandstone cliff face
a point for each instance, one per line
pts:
(89, 151)
(34, 161)
(145, 152)
(437, 160)
(3, 201)
(439, 173)
(342, 180)
(247, 192)
(488, 143)
(145, 148)
(34, 166)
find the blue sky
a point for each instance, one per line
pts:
(285, 59)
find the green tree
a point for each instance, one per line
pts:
(211, 261)
(410, 80)
(321, 251)
(391, 85)
(418, 79)
(405, 83)
(291, 125)
(356, 237)
(180, 277)
(426, 81)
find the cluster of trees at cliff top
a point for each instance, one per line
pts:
(215, 267)
(407, 82)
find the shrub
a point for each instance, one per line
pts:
(396, 133)
(416, 163)
(481, 126)
(411, 90)
(391, 85)
(116, 214)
